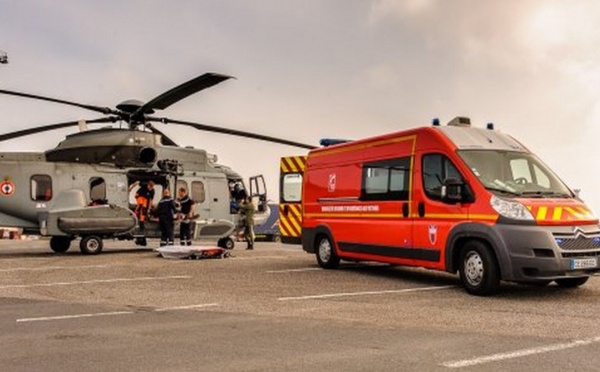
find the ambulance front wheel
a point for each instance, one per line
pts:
(326, 256)
(479, 272)
(91, 244)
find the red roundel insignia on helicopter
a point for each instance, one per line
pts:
(7, 188)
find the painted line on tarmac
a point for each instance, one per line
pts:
(260, 258)
(520, 353)
(47, 268)
(97, 281)
(75, 316)
(188, 307)
(112, 313)
(368, 293)
(294, 270)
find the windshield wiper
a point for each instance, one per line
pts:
(504, 191)
(545, 194)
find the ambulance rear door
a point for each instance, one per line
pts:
(290, 198)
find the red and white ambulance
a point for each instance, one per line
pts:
(452, 198)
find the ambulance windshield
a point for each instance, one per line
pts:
(513, 173)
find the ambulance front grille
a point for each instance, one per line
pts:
(579, 243)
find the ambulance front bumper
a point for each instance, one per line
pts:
(536, 253)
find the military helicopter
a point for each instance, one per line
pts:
(84, 187)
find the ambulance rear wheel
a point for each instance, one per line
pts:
(91, 244)
(60, 244)
(326, 256)
(479, 272)
(571, 282)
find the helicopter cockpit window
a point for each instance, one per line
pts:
(41, 188)
(97, 189)
(198, 193)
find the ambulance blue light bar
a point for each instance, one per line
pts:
(331, 141)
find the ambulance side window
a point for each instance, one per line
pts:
(386, 180)
(436, 168)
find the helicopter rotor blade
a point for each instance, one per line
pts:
(165, 139)
(182, 91)
(233, 132)
(102, 110)
(45, 128)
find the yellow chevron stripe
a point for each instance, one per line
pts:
(541, 214)
(557, 213)
(293, 164)
(287, 227)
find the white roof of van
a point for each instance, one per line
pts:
(479, 138)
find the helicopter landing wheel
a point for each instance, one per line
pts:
(226, 243)
(91, 244)
(60, 244)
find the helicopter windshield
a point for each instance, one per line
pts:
(514, 174)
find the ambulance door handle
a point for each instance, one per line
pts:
(405, 209)
(285, 210)
(421, 209)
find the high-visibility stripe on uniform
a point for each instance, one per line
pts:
(293, 164)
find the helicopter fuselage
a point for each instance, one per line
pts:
(64, 198)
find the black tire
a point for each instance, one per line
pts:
(60, 244)
(226, 243)
(326, 255)
(572, 282)
(479, 272)
(141, 242)
(91, 244)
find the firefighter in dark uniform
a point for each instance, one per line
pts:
(186, 210)
(165, 211)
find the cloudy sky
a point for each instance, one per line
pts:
(316, 68)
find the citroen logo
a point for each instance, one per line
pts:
(578, 232)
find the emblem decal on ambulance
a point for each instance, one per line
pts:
(432, 234)
(331, 183)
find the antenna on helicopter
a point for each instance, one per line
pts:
(3, 57)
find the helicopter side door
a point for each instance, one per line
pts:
(109, 188)
(258, 190)
(210, 194)
(196, 188)
(218, 197)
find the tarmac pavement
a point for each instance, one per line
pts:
(274, 309)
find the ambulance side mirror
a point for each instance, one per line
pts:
(452, 190)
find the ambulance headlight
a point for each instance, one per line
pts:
(510, 209)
